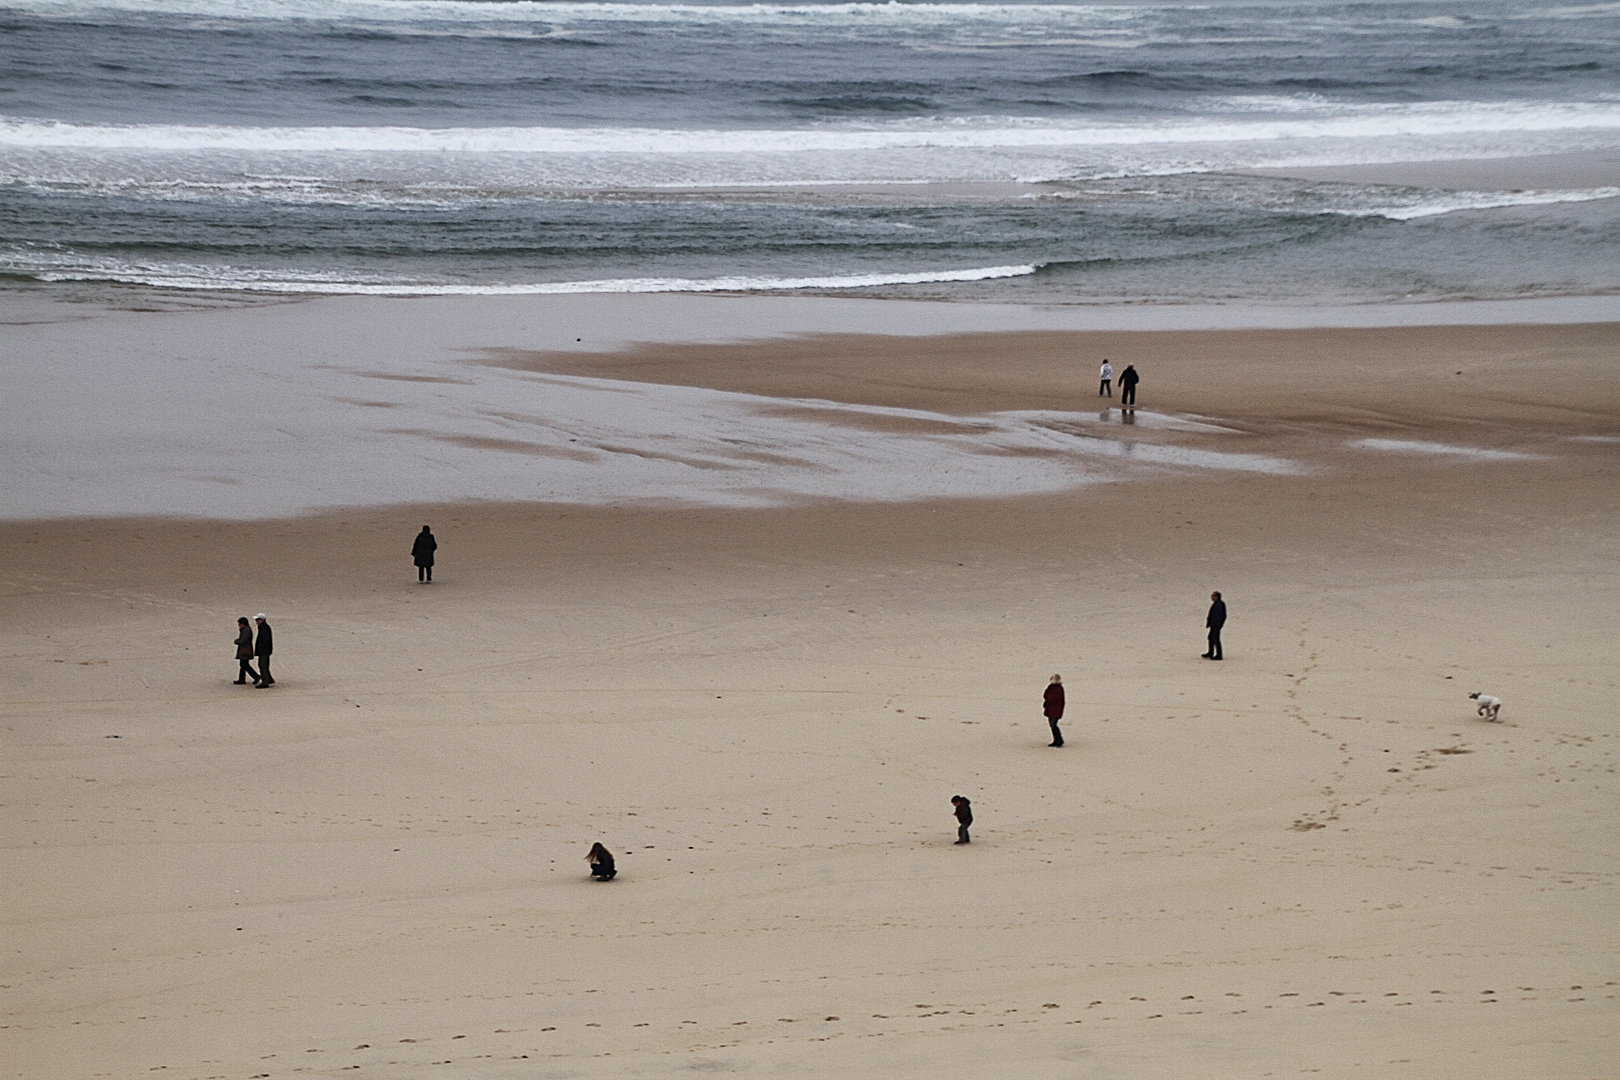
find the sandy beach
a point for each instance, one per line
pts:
(761, 699)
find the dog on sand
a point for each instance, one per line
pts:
(1488, 706)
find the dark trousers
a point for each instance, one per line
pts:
(1106, 389)
(1057, 736)
(244, 669)
(961, 832)
(1214, 643)
(264, 671)
(424, 573)
(1127, 393)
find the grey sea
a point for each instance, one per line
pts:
(1028, 152)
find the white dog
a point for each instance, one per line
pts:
(1488, 706)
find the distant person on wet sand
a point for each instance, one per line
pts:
(1215, 620)
(244, 653)
(422, 554)
(1052, 701)
(601, 860)
(1127, 385)
(1107, 387)
(262, 648)
(964, 817)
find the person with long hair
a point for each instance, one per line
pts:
(244, 653)
(601, 860)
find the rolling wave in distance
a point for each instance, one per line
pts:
(191, 277)
(419, 146)
(1367, 122)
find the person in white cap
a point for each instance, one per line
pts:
(262, 648)
(1107, 387)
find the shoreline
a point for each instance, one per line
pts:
(677, 317)
(1546, 172)
(282, 410)
(1543, 184)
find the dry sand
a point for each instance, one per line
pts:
(1244, 869)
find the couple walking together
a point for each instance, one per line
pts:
(247, 648)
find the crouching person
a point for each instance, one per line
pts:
(601, 860)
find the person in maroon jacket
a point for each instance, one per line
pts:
(1053, 701)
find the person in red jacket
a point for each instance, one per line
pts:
(1053, 701)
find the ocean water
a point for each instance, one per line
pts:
(1047, 152)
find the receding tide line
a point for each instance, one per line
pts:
(1405, 446)
(611, 285)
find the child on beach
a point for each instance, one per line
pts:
(964, 817)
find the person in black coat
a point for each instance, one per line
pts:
(244, 653)
(1127, 385)
(601, 860)
(964, 817)
(1215, 620)
(262, 648)
(422, 554)
(1052, 702)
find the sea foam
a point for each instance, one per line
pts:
(57, 266)
(1358, 122)
(1431, 204)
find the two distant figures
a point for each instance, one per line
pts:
(1127, 383)
(247, 648)
(422, 554)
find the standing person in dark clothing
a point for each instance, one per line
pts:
(262, 648)
(964, 817)
(1127, 385)
(244, 653)
(422, 553)
(601, 860)
(1215, 620)
(1053, 703)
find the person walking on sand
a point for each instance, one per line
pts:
(964, 817)
(244, 653)
(1127, 385)
(1052, 701)
(1215, 620)
(262, 648)
(422, 554)
(1107, 387)
(601, 860)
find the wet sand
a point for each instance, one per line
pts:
(1311, 857)
(1548, 172)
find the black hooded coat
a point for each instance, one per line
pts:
(422, 551)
